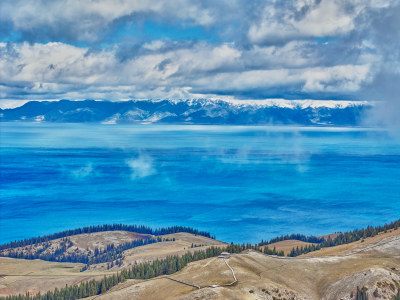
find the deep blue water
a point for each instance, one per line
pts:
(242, 184)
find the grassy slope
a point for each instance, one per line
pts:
(38, 275)
(287, 246)
(332, 273)
(329, 277)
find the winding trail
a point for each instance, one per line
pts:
(381, 242)
(212, 285)
(233, 274)
(366, 248)
(184, 282)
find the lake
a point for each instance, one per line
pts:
(241, 183)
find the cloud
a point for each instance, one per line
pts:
(82, 172)
(342, 79)
(297, 49)
(347, 78)
(5, 104)
(59, 70)
(380, 29)
(288, 20)
(141, 167)
(90, 20)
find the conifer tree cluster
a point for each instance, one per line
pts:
(147, 270)
(172, 264)
(340, 239)
(298, 237)
(303, 250)
(105, 227)
(273, 251)
(109, 254)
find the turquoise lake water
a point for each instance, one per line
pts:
(242, 184)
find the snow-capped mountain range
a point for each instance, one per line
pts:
(193, 111)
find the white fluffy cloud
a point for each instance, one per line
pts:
(282, 21)
(344, 78)
(306, 18)
(63, 71)
(300, 48)
(86, 20)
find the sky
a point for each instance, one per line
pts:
(131, 49)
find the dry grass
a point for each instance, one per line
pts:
(83, 243)
(332, 273)
(102, 239)
(347, 248)
(181, 245)
(287, 246)
(38, 275)
(20, 275)
(264, 277)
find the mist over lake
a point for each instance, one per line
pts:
(242, 184)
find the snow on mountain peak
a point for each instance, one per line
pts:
(276, 102)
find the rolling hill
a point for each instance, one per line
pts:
(369, 266)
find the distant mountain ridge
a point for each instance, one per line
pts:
(193, 111)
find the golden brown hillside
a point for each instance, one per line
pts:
(374, 264)
(330, 273)
(22, 275)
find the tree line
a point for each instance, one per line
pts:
(106, 227)
(298, 237)
(303, 250)
(172, 264)
(109, 254)
(273, 251)
(340, 239)
(146, 270)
